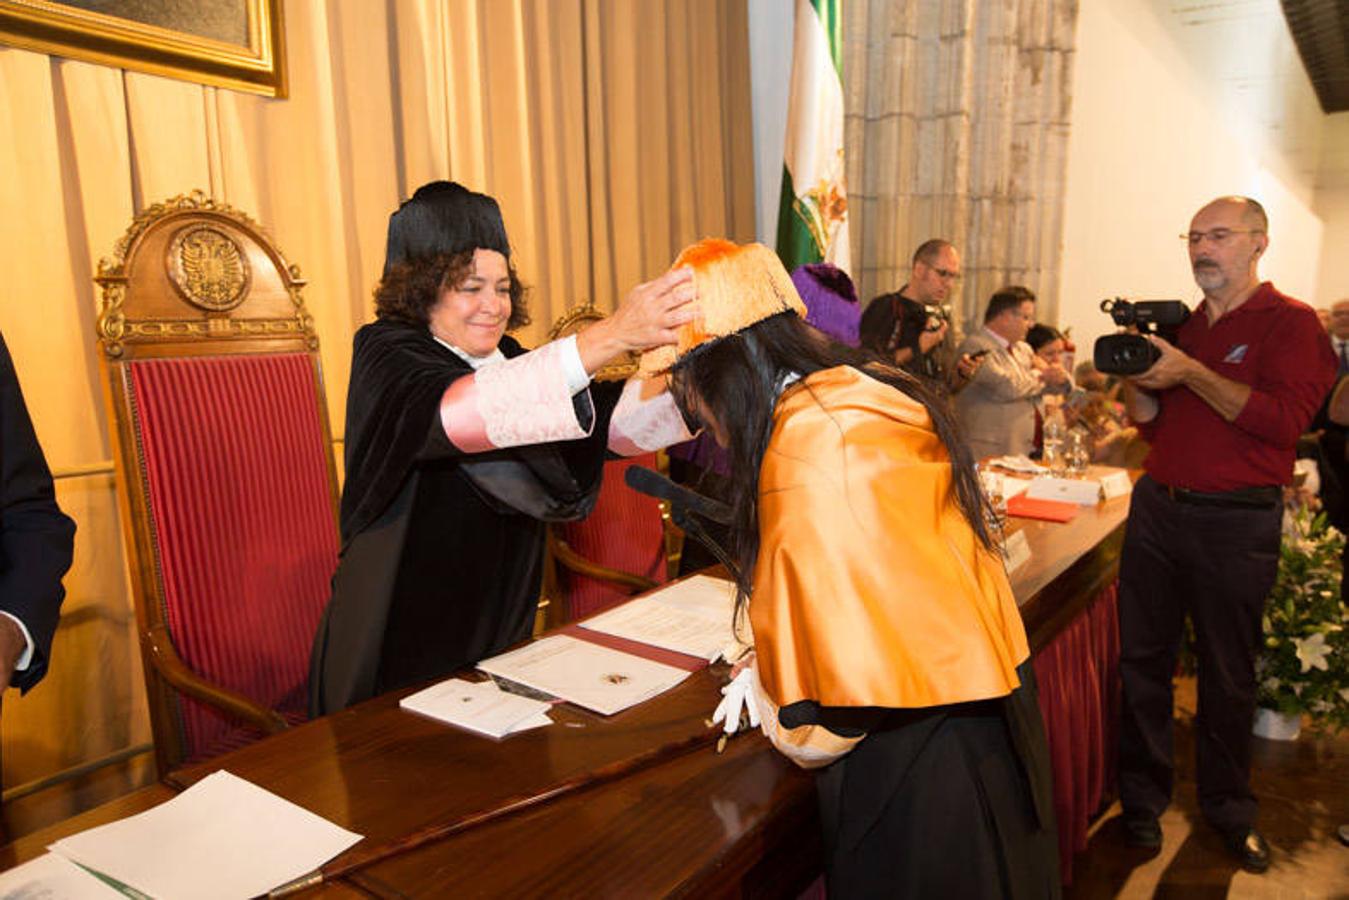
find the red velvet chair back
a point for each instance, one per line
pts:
(624, 546)
(226, 477)
(624, 532)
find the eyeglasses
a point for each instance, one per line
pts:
(1217, 235)
(946, 274)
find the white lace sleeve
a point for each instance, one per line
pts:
(520, 401)
(641, 423)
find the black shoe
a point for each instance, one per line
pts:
(1247, 845)
(1143, 831)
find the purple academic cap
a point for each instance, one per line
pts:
(831, 300)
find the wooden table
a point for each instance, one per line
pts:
(636, 804)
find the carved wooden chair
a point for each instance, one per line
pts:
(627, 544)
(226, 482)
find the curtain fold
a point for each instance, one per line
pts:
(957, 127)
(613, 132)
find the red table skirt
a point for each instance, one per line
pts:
(1078, 675)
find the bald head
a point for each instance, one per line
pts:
(1227, 237)
(1248, 209)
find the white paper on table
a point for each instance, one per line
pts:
(478, 706)
(53, 877)
(1016, 551)
(222, 837)
(1019, 464)
(1115, 483)
(693, 616)
(597, 678)
(1011, 486)
(1082, 491)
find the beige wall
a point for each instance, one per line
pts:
(1333, 207)
(1170, 110)
(1332, 204)
(605, 165)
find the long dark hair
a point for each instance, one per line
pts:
(738, 379)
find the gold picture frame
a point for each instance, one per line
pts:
(173, 38)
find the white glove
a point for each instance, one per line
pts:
(737, 695)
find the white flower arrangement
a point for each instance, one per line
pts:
(1304, 667)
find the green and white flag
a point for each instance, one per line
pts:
(813, 213)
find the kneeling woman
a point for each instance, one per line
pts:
(890, 653)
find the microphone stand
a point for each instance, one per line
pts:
(688, 520)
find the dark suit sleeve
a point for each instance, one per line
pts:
(36, 538)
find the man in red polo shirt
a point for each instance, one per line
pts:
(1223, 410)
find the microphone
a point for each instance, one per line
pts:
(654, 484)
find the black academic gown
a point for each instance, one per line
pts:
(947, 801)
(36, 538)
(442, 551)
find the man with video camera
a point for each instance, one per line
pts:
(909, 327)
(1223, 408)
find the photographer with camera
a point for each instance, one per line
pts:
(1223, 408)
(996, 409)
(909, 327)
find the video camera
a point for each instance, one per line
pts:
(1133, 354)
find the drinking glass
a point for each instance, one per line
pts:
(1076, 456)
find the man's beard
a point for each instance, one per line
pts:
(1209, 276)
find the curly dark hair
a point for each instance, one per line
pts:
(408, 290)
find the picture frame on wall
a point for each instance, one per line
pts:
(236, 44)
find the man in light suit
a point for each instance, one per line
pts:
(1339, 334)
(996, 408)
(36, 541)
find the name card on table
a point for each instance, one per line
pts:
(1016, 551)
(1083, 492)
(1116, 484)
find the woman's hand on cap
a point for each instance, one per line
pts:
(649, 316)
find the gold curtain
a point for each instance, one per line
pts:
(611, 131)
(956, 126)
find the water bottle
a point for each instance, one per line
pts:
(1052, 455)
(1077, 451)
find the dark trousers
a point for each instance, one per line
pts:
(1216, 565)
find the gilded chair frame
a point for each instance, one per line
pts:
(154, 307)
(557, 551)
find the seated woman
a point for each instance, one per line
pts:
(890, 653)
(460, 446)
(1048, 344)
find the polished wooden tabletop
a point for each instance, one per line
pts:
(639, 803)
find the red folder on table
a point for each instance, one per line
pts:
(1049, 510)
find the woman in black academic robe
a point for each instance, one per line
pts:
(461, 445)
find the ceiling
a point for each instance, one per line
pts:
(1320, 29)
(1278, 67)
